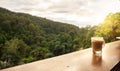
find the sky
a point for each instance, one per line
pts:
(77, 12)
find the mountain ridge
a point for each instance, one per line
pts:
(25, 38)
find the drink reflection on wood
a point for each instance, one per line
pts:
(96, 60)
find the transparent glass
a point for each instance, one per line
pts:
(97, 45)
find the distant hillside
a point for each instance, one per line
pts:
(25, 38)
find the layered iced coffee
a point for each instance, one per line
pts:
(97, 44)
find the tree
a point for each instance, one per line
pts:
(110, 27)
(15, 50)
(39, 53)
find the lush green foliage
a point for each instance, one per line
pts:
(25, 38)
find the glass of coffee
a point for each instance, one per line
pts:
(97, 45)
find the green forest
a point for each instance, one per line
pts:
(25, 38)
